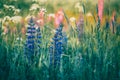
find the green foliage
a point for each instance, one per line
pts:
(97, 57)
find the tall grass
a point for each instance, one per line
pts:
(96, 58)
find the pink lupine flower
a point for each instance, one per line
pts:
(100, 8)
(40, 19)
(59, 17)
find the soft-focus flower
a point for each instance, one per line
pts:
(59, 17)
(29, 48)
(34, 7)
(43, 10)
(17, 11)
(16, 19)
(72, 19)
(41, 14)
(9, 6)
(6, 18)
(12, 9)
(73, 22)
(81, 9)
(77, 5)
(100, 8)
(6, 6)
(56, 48)
(32, 46)
(89, 14)
(6, 21)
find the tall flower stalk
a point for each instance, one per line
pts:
(56, 48)
(32, 46)
(100, 8)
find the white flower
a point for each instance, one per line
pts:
(43, 10)
(81, 9)
(9, 6)
(16, 19)
(34, 7)
(6, 6)
(77, 5)
(72, 19)
(17, 11)
(6, 18)
(89, 14)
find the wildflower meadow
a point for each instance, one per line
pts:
(59, 40)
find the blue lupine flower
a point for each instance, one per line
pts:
(31, 37)
(32, 45)
(29, 46)
(29, 42)
(56, 48)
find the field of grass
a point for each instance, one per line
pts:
(34, 51)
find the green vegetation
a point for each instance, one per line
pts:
(95, 57)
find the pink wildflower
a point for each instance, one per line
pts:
(100, 8)
(40, 19)
(59, 17)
